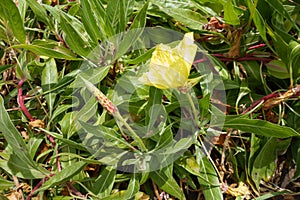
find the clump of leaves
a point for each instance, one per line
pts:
(252, 46)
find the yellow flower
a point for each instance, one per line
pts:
(170, 68)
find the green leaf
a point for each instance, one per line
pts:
(278, 7)
(278, 69)
(75, 35)
(5, 67)
(89, 21)
(135, 31)
(63, 175)
(253, 72)
(93, 75)
(164, 179)
(118, 13)
(105, 27)
(155, 97)
(182, 174)
(33, 145)
(40, 12)
(142, 58)
(49, 77)
(129, 193)
(205, 172)
(274, 194)
(126, 9)
(5, 184)
(15, 140)
(188, 17)
(261, 26)
(22, 6)
(65, 81)
(71, 143)
(49, 48)
(59, 110)
(113, 14)
(243, 91)
(133, 187)
(21, 169)
(213, 189)
(264, 165)
(102, 132)
(231, 14)
(259, 127)
(13, 19)
(105, 182)
(294, 58)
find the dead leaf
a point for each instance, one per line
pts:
(235, 48)
(36, 124)
(214, 25)
(241, 190)
(14, 195)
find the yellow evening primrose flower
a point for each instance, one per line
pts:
(170, 67)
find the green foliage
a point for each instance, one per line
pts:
(56, 137)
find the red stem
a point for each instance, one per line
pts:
(199, 61)
(256, 46)
(246, 58)
(38, 186)
(21, 99)
(74, 190)
(269, 96)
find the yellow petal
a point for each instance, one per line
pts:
(163, 77)
(170, 68)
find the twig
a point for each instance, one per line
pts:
(274, 99)
(19, 189)
(269, 96)
(156, 191)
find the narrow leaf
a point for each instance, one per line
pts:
(5, 184)
(49, 48)
(13, 19)
(49, 78)
(63, 175)
(21, 170)
(40, 12)
(14, 138)
(264, 165)
(166, 182)
(75, 35)
(135, 31)
(104, 183)
(259, 127)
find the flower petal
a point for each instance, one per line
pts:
(170, 68)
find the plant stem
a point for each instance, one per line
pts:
(195, 112)
(19, 189)
(38, 186)
(132, 132)
(21, 99)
